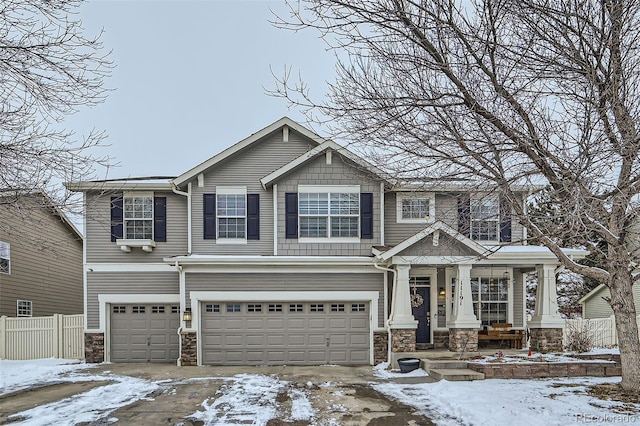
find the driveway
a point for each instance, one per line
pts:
(170, 395)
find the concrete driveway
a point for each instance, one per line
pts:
(324, 395)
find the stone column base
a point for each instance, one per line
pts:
(546, 339)
(380, 346)
(189, 355)
(440, 339)
(403, 340)
(94, 347)
(463, 340)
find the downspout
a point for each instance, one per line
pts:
(187, 194)
(183, 304)
(393, 298)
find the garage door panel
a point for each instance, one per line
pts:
(301, 333)
(148, 335)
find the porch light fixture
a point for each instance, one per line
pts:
(186, 315)
(442, 292)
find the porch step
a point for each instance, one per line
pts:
(448, 364)
(455, 374)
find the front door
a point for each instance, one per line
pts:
(421, 309)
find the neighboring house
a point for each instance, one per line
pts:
(595, 304)
(287, 248)
(40, 258)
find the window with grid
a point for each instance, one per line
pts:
(233, 307)
(316, 307)
(138, 217)
(485, 219)
(138, 309)
(157, 309)
(275, 307)
(254, 307)
(212, 308)
(337, 307)
(5, 258)
(490, 299)
(296, 307)
(231, 213)
(329, 214)
(24, 308)
(119, 309)
(415, 208)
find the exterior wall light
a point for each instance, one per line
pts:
(186, 315)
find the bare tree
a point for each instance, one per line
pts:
(502, 92)
(48, 69)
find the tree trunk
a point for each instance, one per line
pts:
(624, 310)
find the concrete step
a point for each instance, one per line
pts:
(455, 374)
(429, 364)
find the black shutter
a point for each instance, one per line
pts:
(209, 203)
(291, 214)
(160, 219)
(366, 215)
(117, 218)
(505, 221)
(253, 216)
(464, 215)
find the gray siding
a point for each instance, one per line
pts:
(597, 307)
(447, 246)
(289, 282)
(446, 211)
(46, 260)
(100, 248)
(518, 294)
(126, 283)
(317, 172)
(246, 169)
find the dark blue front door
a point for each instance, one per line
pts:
(421, 307)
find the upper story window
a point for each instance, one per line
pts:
(232, 215)
(485, 218)
(415, 208)
(5, 258)
(24, 308)
(138, 216)
(329, 212)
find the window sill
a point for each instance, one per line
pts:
(304, 240)
(145, 245)
(230, 241)
(423, 220)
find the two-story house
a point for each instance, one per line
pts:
(287, 248)
(40, 258)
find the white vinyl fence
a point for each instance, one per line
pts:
(58, 336)
(602, 331)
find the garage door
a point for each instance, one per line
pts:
(144, 333)
(245, 333)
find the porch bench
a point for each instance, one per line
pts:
(501, 332)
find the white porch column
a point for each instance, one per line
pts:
(462, 315)
(546, 313)
(402, 316)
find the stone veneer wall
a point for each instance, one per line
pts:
(546, 339)
(94, 347)
(537, 370)
(189, 355)
(440, 339)
(403, 340)
(463, 340)
(380, 346)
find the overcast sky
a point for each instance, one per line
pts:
(190, 78)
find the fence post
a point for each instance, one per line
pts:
(57, 335)
(3, 337)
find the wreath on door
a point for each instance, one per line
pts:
(416, 299)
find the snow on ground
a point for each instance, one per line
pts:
(252, 399)
(509, 402)
(256, 398)
(382, 371)
(535, 358)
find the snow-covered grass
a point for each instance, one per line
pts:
(535, 358)
(382, 371)
(257, 398)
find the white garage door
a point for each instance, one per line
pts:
(303, 333)
(144, 333)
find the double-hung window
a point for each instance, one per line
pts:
(138, 216)
(5, 258)
(490, 299)
(415, 207)
(329, 212)
(231, 213)
(485, 218)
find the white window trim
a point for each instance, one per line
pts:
(471, 219)
(231, 190)
(30, 304)
(499, 273)
(126, 243)
(8, 259)
(329, 189)
(416, 195)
